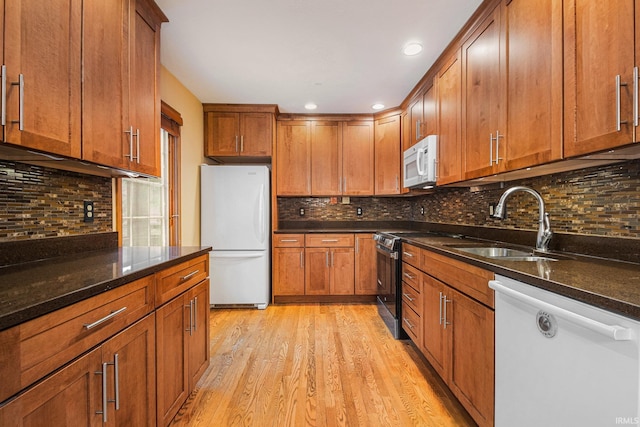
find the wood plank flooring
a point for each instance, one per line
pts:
(315, 365)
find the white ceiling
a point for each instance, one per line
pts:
(343, 55)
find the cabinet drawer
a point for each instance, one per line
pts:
(412, 296)
(288, 240)
(411, 255)
(412, 324)
(44, 344)
(468, 279)
(329, 240)
(177, 279)
(411, 275)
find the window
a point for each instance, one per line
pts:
(145, 211)
(149, 208)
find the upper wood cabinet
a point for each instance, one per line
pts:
(42, 48)
(511, 86)
(239, 130)
(326, 158)
(449, 121)
(293, 158)
(422, 117)
(601, 58)
(388, 155)
(121, 101)
(358, 158)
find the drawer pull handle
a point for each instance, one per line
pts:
(409, 276)
(288, 240)
(410, 255)
(408, 324)
(407, 296)
(104, 392)
(329, 240)
(104, 319)
(189, 276)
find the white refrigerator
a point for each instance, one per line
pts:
(235, 222)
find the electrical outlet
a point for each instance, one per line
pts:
(301, 211)
(359, 211)
(89, 212)
(492, 208)
(421, 210)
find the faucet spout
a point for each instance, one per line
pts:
(544, 226)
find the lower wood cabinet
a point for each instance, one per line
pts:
(111, 359)
(182, 329)
(288, 264)
(329, 271)
(456, 323)
(319, 264)
(365, 265)
(84, 391)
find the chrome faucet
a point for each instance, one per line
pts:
(544, 228)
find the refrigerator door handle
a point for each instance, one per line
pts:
(239, 255)
(261, 213)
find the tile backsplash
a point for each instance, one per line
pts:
(601, 201)
(38, 202)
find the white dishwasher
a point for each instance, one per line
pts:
(560, 362)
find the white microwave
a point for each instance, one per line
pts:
(420, 163)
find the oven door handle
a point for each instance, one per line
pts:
(383, 251)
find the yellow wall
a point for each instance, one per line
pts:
(192, 153)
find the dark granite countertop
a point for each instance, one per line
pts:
(35, 288)
(608, 284)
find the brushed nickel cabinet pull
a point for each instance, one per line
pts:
(20, 84)
(189, 276)
(104, 319)
(3, 117)
(104, 392)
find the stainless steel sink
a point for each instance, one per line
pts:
(506, 254)
(492, 252)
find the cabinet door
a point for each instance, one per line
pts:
(42, 46)
(430, 111)
(171, 338)
(449, 119)
(288, 271)
(293, 171)
(70, 397)
(365, 265)
(534, 77)
(326, 158)
(256, 134)
(136, 354)
(406, 130)
(388, 155)
(222, 134)
(481, 97)
(198, 354)
(471, 340)
(144, 98)
(599, 45)
(417, 122)
(433, 330)
(342, 271)
(105, 86)
(357, 158)
(316, 271)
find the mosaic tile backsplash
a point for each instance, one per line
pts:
(38, 202)
(602, 201)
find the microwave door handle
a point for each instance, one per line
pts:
(419, 162)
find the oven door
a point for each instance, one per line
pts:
(387, 269)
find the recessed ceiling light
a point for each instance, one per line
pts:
(310, 106)
(412, 49)
(377, 106)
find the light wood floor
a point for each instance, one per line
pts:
(315, 365)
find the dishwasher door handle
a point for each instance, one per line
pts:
(615, 332)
